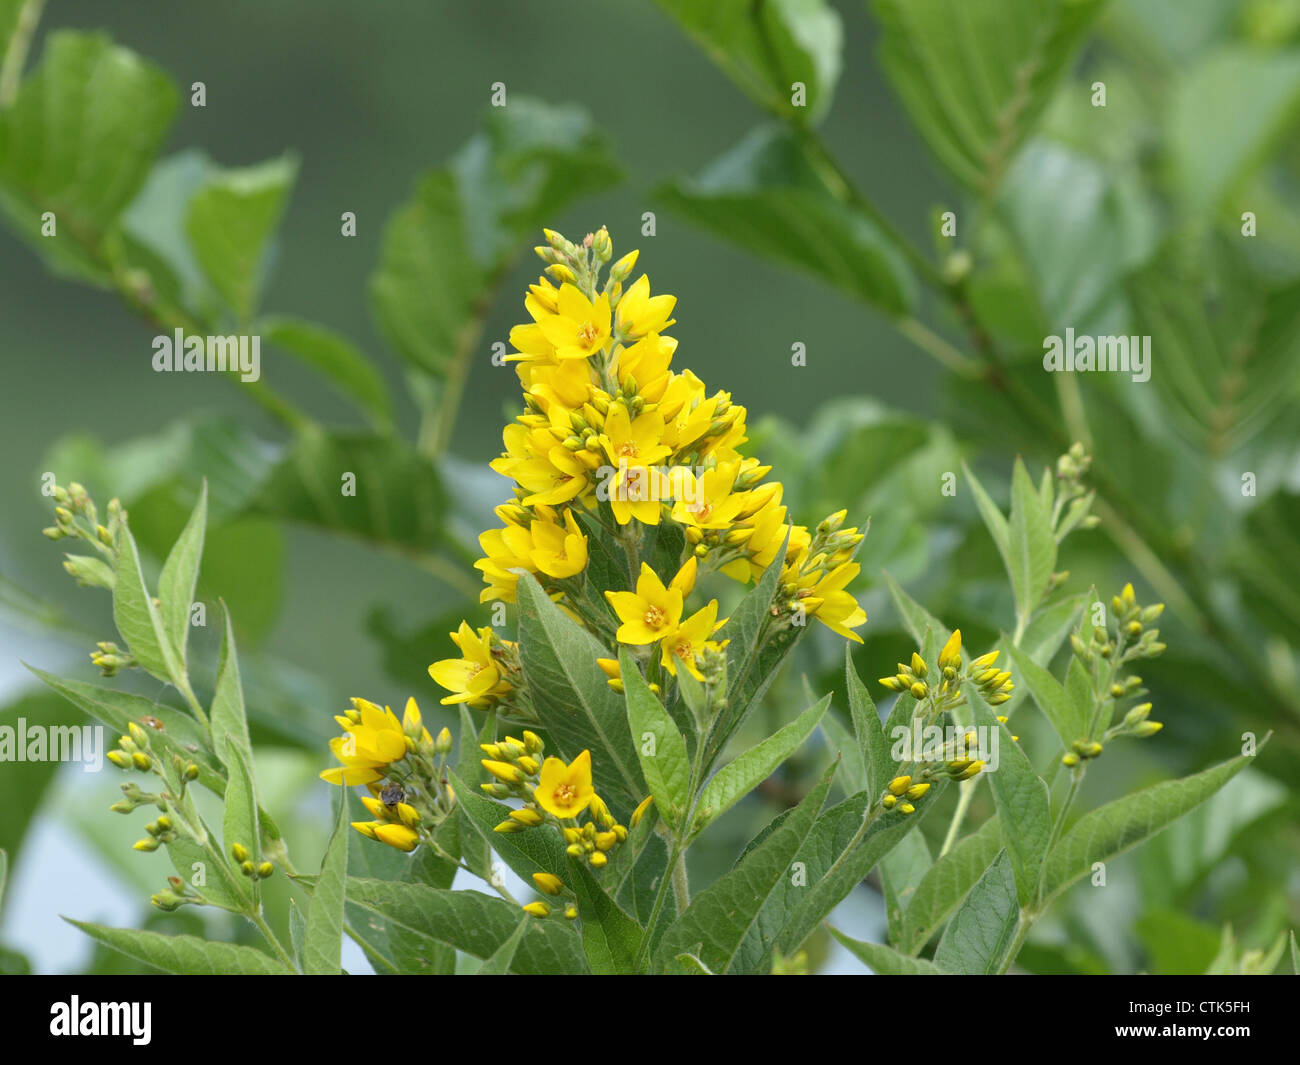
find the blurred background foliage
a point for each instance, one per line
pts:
(775, 225)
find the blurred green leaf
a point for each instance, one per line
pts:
(78, 141)
(975, 75)
(180, 574)
(337, 359)
(23, 783)
(764, 196)
(1177, 944)
(231, 221)
(768, 45)
(453, 240)
(1227, 111)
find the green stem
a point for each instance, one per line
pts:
(964, 797)
(681, 886)
(260, 922)
(674, 854)
(11, 70)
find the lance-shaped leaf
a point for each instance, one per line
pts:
(1031, 546)
(322, 942)
(136, 616)
(981, 932)
(661, 748)
(185, 955)
(1050, 696)
(946, 883)
(885, 961)
(471, 922)
(1101, 834)
(738, 778)
(571, 696)
(180, 574)
(717, 924)
(1024, 809)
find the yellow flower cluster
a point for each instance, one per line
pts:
(400, 764)
(553, 792)
(612, 441)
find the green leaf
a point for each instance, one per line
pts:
(24, 781)
(471, 922)
(1051, 698)
(1176, 944)
(78, 141)
(229, 720)
(297, 930)
(180, 575)
(717, 924)
(337, 359)
(231, 221)
(610, 937)
(467, 221)
(398, 500)
(981, 932)
(571, 696)
(323, 940)
(240, 821)
(994, 520)
(868, 728)
(659, 745)
(764, 196)
(916, 619)
(852, 769)
(901, 872)
(524, 852)
(1227, 112)
(117, 709)
(766, 47)
(692, 966)
(1031, 544)
(498, 964)
(738, 778)
(185, 955)
(836, 859)
(1021, 795)
(885, 961)
(975, 75)
(946, 883)
(1079, 690)
(1101, 834)
(1295, 956)
(137, 618)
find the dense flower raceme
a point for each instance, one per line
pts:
(613, 445)
(612, 442)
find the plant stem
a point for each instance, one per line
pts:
(674, 855)
(11, 71)
(260, 922)
(681, 886)
(964, 797)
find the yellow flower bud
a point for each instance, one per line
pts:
(504, 771)
(951, 653)
(598, 860)
(918, 665)
(917, 790)
(548, 883)
(899, 785)
(239, 852)
(918, 690)
(527, 816)
(889, 802)
(639, 812)
(538, 910)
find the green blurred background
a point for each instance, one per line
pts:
(369, 97)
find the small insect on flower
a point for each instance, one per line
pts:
(392, 794)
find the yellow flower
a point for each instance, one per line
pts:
(565, 790)
(579, 328)
(834, 607)
(371, 743)
(707, 502)
(559, 551)
(399, 836)
(688, 639)
(473, 678)
(649, 614)
(640, 313)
